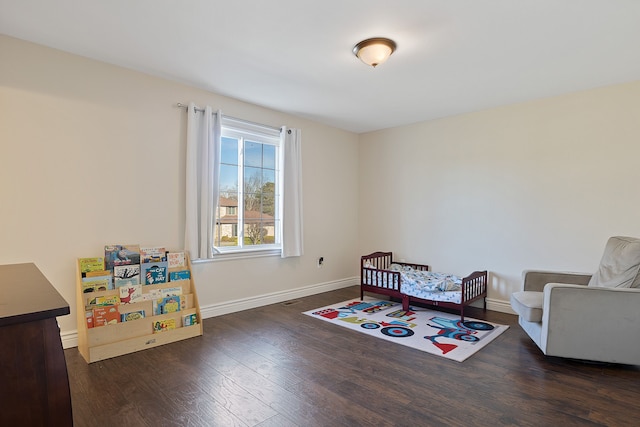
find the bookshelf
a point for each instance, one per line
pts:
(104, 342)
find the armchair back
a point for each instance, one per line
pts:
(620, 264)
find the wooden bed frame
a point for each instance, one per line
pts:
(381, 280)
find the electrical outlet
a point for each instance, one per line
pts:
(320, 261)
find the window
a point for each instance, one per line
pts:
(248, 217)
(238, 195)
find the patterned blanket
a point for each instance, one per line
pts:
(427, 285)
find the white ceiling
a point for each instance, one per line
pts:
(454, 56)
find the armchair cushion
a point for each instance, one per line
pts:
(528, 304)
(620, 264)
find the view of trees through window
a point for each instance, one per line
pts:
(247, 210)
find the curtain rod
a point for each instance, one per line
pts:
(181, 105)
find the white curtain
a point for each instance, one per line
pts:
(203, 151)
(291, 200)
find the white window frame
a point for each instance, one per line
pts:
(241, 130)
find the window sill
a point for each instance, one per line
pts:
(240, 254)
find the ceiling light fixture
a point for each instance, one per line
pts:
(374, 51)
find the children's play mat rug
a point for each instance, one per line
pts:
(435, 332)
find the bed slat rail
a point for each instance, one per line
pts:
(474, 285)
(421, 267)
(379, 260)
(376, 278)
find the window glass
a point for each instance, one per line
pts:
(248, 173)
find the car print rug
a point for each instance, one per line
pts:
(434, 332)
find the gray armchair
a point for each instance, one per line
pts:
(582, 316)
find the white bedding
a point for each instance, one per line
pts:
(427, 285)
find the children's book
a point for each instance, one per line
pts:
(156, 294)
(132, 315)
(118, 283)
(130, 294)
(154, 273)
(91, 264)
(189, 319)
(127, 271)
(153, 254)
(169, 292)
(176, 259)
(88, 315)
(166, 305)
(103, 300)
(97, 273)
(179, 275)
(121, 255)
(94, 284)
(107, 315)
(163, 325)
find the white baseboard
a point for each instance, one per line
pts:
(214, 310)
(70, 339)
(499, 305)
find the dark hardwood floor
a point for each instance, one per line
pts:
(273, 366)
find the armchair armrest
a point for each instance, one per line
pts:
(592, 323)
(535, 280)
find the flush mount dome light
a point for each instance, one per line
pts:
(374, 51)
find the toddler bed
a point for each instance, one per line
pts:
(414, 283)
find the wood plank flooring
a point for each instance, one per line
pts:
(273, 366)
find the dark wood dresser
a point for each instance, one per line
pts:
(34, 386)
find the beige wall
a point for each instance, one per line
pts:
(541, 184)
(92, 154)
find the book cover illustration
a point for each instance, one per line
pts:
(152, 295)
(176, 259)
(127, 271)
(179, 275)
(91, 264)
(169, 292)
(154, 272)
(189, 319)
(118, 283)
(130, 294)
(97, 273)
(153, 254)
(99, 283)
(121, 255)
(156, 294)
(107, 315)
(132, 315)
(103, 300)
(88, 315)
(163, 325)
(166, 305)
